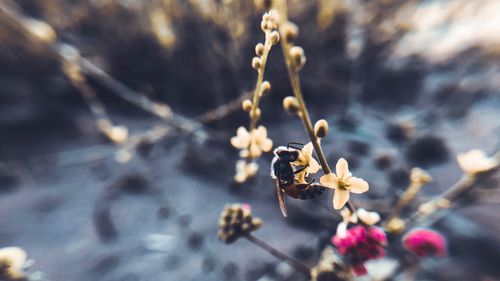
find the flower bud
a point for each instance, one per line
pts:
(321, 128)
(259, 49)
(291, 105)
(419, 176)
(256, 63)
(275, 37)
(265, 87)
(395, 225)
(41, 30)
(247, 105)
(290, 31)
(297, 56)
(258, 113)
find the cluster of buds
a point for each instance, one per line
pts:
(269, 25)
(236, 220)
(360, 244)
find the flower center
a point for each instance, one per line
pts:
(343, 185)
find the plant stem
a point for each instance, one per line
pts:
(293, 74)
(293, 262)
(463, 185)
(257, 93)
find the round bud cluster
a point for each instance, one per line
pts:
(236, 220)
(291, 105)
(270, 21)
(321, 128)
(297, 56)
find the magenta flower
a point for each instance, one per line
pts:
(425, 243)
(359, 245)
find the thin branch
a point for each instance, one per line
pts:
(59, 50)
(295, 263)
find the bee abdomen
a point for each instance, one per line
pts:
(309, 192)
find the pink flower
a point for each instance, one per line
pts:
(361, 244)
(425, 243)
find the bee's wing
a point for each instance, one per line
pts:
(281, 200)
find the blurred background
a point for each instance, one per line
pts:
(119, 168)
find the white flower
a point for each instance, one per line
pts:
(369, 218)
(14, 259)
(245, 170)
(306, 159)
(343, 183)
(347, 217)
(252, 143)
(476, 161)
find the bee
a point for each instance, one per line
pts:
(284, 174)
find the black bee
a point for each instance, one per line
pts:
(284, 174)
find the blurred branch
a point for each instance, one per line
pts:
(11, 12)
(426, 213)
(223, 110)
(298, 265)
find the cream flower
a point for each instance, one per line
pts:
(343, 183)
(252, 143)
(476, 161)
(347, 217)
(12, 261)
(245, 170)
(306, 159)
(369, 218)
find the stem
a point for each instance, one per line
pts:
(466, 182)
(293, 74)
(293, 262)
(260, 78)
(405, 199)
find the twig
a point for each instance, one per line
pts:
(223, 110)
(295, 263)
(452, 194)
(58, 48)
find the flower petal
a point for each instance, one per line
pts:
(342, 169)
(242, 138)
(357, 185)
(329, 180)
(370, 218)
(15, 256)
(261, 132)
(340, 198)
(255, 150)
(313, 166)
(308, 149)
(342, 229)
(266, 145)
(475, 161)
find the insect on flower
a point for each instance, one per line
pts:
(285, 174)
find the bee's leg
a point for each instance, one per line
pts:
(293, 145)
(301, 169)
